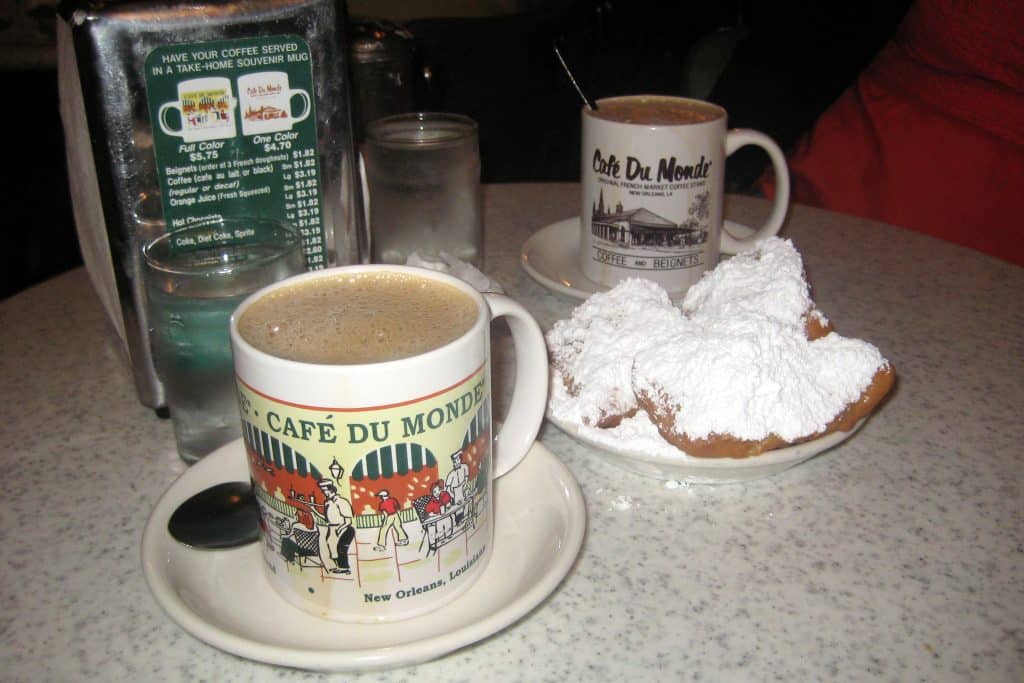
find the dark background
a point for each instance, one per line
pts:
(774, 66)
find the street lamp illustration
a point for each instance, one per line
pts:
(336, 470)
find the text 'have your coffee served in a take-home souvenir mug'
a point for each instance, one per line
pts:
(653, 173)
(365, 396)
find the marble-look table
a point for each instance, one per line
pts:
(897, 556)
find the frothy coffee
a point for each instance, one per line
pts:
(654, 110)
(354, 318)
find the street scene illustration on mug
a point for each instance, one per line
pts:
(371, 504)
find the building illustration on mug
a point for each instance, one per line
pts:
(642, 228)
(391, 517)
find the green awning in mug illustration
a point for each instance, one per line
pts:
(273, 452)
(387, 461)
(282, 474)
(405, 470)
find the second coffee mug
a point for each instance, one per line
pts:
(365, 395)
(653, 174)
(266, 101)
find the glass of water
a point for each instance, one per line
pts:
(422, 173)
(195, 277)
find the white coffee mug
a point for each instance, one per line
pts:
(206, 107)
(267, 103)
(329, 445)
(652, 176)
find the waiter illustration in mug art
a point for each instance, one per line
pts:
(389, 508)
(456, 483)
(337, 533)
(457, 479)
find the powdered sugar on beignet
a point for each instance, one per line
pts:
(768, 281)
(750, 378)
(745, 364)
(592, 351)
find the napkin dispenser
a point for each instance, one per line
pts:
(179, 111)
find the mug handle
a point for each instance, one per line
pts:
(307, 107)
(530, 394)
(164, 126)
(742, 137)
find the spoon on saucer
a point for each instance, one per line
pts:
(222, 516)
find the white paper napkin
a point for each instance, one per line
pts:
(452, 265)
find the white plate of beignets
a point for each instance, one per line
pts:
(743, 378)
(639, 448)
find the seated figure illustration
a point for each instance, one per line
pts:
(434, 513)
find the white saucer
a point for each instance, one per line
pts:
(647, 454)
(223, 597)
(551, 257)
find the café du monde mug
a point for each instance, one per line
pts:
(652, 176)
(365, 396)
(266, 101)
(206, 109)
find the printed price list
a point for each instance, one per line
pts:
(234, 137)
(210, 186)
(302, 202)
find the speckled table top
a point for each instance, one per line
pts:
(897, 556)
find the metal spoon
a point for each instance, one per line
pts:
(587, 102)
(222, 516)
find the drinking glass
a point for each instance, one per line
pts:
(195, 277)
(422, 174)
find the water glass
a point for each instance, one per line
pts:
(195, 278)
(422, 174)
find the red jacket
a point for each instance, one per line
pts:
(931, 136)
